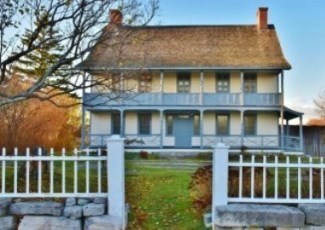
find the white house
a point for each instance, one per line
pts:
(190, 86)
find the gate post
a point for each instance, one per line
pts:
(219, 177)
(116, 178)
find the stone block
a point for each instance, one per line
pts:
(48, 223)
(7, 223)
(83, 201)
(36, 208)
(71, 201)
(73, 212)
(315, 213)
(312, 227)
(253, 215)
(100, 200)
(5, 202)
(103, 223)
(93, 209)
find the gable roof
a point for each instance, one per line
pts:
(176, 47)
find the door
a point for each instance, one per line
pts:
(183, 130)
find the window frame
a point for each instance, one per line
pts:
(228, 124)
(145, 83)
(182, 77)
(223, 77)
(255, 124)
(250, 82)
(149, 120)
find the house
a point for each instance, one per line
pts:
(190, 86)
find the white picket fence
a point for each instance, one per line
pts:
(56, 167)
(266, 179)
(68, 175)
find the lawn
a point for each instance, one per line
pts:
(159, 199)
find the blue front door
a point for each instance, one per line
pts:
(183, 130)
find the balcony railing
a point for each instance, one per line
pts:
(176, 99)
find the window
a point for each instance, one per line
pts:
(116, 123)
(169, 124)
(222, 82)
(145, 81)
(250, 121)
(222, 124)
(183, 82)
(196, 125)
(115, 83)
(250, 83)
(144, 123)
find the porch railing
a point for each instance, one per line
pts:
(188, 99)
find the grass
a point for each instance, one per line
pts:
(159, 199)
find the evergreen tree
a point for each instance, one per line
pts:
(34, 64)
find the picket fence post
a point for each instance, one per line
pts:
(219, 177)
(116, 178)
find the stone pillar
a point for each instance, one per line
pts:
(116, 178)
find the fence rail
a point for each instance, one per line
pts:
(53, 175)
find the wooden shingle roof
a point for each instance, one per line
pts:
(174, 47)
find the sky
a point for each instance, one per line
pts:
(300, 25)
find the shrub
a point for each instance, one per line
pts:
(200, 187)
(144, 154)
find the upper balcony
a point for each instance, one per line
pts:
(182, 99)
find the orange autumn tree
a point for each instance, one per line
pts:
(34, 123)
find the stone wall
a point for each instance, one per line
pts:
(73, 213)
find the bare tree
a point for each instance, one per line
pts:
(320, 104)
(78, 25)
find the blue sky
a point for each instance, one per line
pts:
(300, 25)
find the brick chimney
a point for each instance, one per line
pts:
(115, 17)
(262, 18)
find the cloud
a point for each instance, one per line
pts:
(302, 105)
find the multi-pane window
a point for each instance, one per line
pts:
(145, 82)
(250, 121)
(144, 123)
(116, 123)
(169, 124)
(222, 82)
(183, 82)
(250, 83)
(222, 124)
(115, 84)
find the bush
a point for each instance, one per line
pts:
(200, 187)
(144, 154)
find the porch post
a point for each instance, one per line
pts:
(161, 115)
(201, 128)
(161, 87)
(282, 112)
(242, 128)
(201, 87)
(122, 122)
(242, 87)
(301, 134)
(83, 111)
